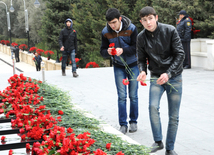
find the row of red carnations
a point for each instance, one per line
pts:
(21, 100)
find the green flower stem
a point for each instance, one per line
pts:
(152, 79)
(127, 67)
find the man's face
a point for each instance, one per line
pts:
(68, 23)
(36, 54)
(149, 22)
(115, 23)
(181, 16)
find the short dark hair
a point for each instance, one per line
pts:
(148, 10)
(112, 13)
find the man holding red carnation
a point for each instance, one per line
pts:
(160, 44)
(122, 33)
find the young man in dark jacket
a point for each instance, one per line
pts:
(184, 28)
(17, 53)
(120, 31)
(68, 46)
(160, 44)
(38, 60)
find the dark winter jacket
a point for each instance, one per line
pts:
(125, 39)
(162, 48)
(68, 38)
(184, 28)
(38, 59)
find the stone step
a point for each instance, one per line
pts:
(5, 120)
(13, 141)
(21, 151)
(5, 128)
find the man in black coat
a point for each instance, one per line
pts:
(160, 44)
(184, 27)
(68, 46)
(16, 51)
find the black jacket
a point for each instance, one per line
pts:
(162, 48)
(38, 59)
(184, 28)
(68, 39)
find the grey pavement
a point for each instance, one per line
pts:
(94, 91)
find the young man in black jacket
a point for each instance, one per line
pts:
(160, 44)
(68, 46)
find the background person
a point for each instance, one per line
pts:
(68, 46)
(38, 61)
(120, 31)
(184, 27)
(17, 53)
(161, 45)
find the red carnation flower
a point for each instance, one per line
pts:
(108, 146)
(120, 153)
(143, 83)
(21, 130)
(27, 146)
(10, 152)
(20, 124)
(3, 138)
(125, 81)
(111, 45)
(1, 111)
(1, 105)
(60, 112)
(93, 64)
(113, 51)
(69, 130)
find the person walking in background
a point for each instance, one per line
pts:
(184, 27)
(17, 53)
(37, 59)
(122, 33)
(68, 46)
(160, 44)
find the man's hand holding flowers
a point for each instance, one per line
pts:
(141, 76)
(162, 79)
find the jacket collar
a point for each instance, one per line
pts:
(152, 34)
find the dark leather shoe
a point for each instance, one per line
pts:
(171, 152)
(123, 129)
(155, 147)
(63, 73)
(75, 74)
(133, 127)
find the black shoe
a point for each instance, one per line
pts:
(155, 147)
(187, 67)
(63, 73)
(123, 129)
(75, 74)
(170, 152)
(133, 127)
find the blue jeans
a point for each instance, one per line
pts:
(65, 55)
(174, 100)
(120, 74)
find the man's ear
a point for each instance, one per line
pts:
(156, 17)
(120, 18)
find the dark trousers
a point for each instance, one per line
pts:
(187, 60)
(38, 67)
(17, 55)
